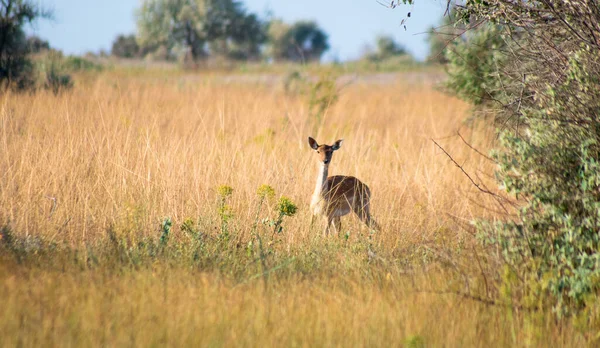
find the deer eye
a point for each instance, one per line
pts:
(318, 151)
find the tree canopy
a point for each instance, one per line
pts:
(301, 41)
(125, 46)
(200, 27)
(15, 67)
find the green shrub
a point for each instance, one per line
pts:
(473, 62)
(77, 64)
(55, 79)
(537, 65)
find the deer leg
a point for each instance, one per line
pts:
(329, 224)
(337, 223)
(365, 216)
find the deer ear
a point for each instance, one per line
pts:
(313, 143)
(337, 144)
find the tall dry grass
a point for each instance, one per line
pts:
(122, 152)
(75, 164)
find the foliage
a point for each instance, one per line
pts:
(37, 45)
(265, 191)
(441, 37)
(536, 65)
(16, 70)
(224, 209)
(285, 207)
(54, 69)
(241, 37)
(125, 46)
(79, 64)
(386, 47)
(194, 26)
(473, 62)
(303, 41)
(165, 228)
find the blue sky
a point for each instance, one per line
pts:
(80, 26)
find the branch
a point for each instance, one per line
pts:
(465, 173)
(480, 299)
(474, 149)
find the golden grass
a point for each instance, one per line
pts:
(181, 308)
(125, 151)
(163, 145)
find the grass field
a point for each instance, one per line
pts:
(90, 179)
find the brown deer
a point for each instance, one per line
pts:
(338, 195)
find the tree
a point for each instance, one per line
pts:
(302, 41)
(37, 45)
(125, 46)
(386, 47)
(16, 70)
(199, 27)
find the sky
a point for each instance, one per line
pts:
(81, 26)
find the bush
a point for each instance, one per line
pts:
(16, 69)
(387, 47)
(56, 79)
(300, 42)
(77, 64)
(440, 38)
(537, 65)
(125, 46)
(473, 65)
(37, 45)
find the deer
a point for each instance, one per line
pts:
(338, 195)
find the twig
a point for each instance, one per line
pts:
(480, 299)
(448, 260)
(465, 226)
(478, 186)
(474, 149)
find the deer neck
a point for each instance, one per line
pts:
(321, 185)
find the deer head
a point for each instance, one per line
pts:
(324, 151)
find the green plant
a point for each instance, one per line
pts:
(473, 62)
(537, 65)
(55, 77)
(224, 210)
(285, 207)
(189, 226)
(165, 228)
(76, 64)
(6, 237)
(442, 38)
